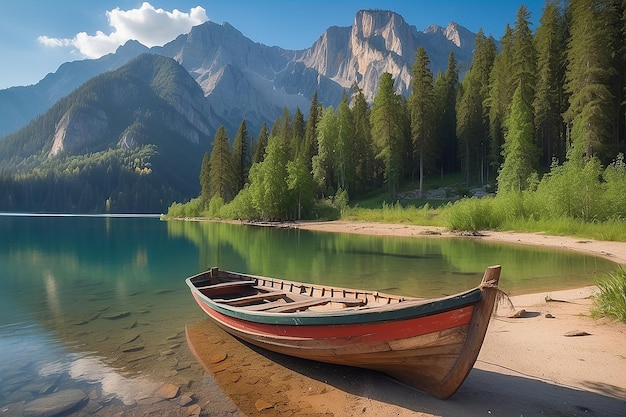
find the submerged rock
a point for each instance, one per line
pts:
(167, 391)
(54, 404)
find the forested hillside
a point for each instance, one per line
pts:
(126, 141)
(540, 110)
(544, 112)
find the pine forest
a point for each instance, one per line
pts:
(538, 120)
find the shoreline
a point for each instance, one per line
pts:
(553, 359)
(530, 365)
(613, 251)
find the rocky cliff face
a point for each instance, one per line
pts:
(78, 130)
(379, 42)
(243, 79)
(151, 100)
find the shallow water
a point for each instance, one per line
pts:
(99, 304)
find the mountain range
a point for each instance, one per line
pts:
(155, 110)
(244, 79)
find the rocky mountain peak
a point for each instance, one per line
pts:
(383, 30)
(452, 34)
(241, 78)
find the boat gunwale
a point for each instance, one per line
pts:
(406, 309)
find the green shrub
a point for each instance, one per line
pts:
(176, 210)
(611, 300)
(473, 214)
(215, 206)
(241, 208)
(194, 208)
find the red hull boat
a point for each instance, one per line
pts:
(429, 344)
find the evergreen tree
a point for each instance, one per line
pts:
(205, 179)
(550, 42)
(524, 57)
(285, 130)
(421, 108)
(446, 88)
(519, 150)
(324, 162)
(472, 113)
(387, 130)
(591, 76)
(365, 164)
(501, 89)
(344, 161)
(221, 177)
(297, 142)
(310, 133)
(261, 144)
(241, 156)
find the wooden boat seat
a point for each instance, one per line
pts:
(242, 301)
(299, 305)
(266, 306)
(312, 302)
(349, 302)
(230, 284)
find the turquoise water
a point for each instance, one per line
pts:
(99, 303)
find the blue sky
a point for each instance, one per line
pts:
(36, 36)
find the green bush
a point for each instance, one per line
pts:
(611, 300)
(473, 214)
(191, 209)
(241, 208)
(215, 206)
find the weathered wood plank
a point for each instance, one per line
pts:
(266, 306)
(231, 284)
(300, 305)
(250, 299)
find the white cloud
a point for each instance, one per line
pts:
(146, 24)
(54, 42)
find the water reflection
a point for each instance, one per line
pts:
(99, 304)
(413, 266)
(129, 390)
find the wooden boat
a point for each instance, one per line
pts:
(429, 344)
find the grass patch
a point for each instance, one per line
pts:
(395, 213)
(611, 301)
(609, 230)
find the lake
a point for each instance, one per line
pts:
(98, 305)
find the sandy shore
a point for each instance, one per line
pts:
(615, 251)
(528, 366)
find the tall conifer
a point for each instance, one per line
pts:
(472, 114)
(501, 89)
(446, 88)
(519, 150)
(241, 156)
(205, 179)
(387, 130)
(310, 132)
(591, 76)
(365, 164)
(297, 141)
(345, 164)
(550, 43)
(421, 109)
(222, 181)
(261, 144)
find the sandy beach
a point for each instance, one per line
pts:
(614, 251)
(554, 360)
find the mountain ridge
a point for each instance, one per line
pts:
(143, 127)
(241, 78)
